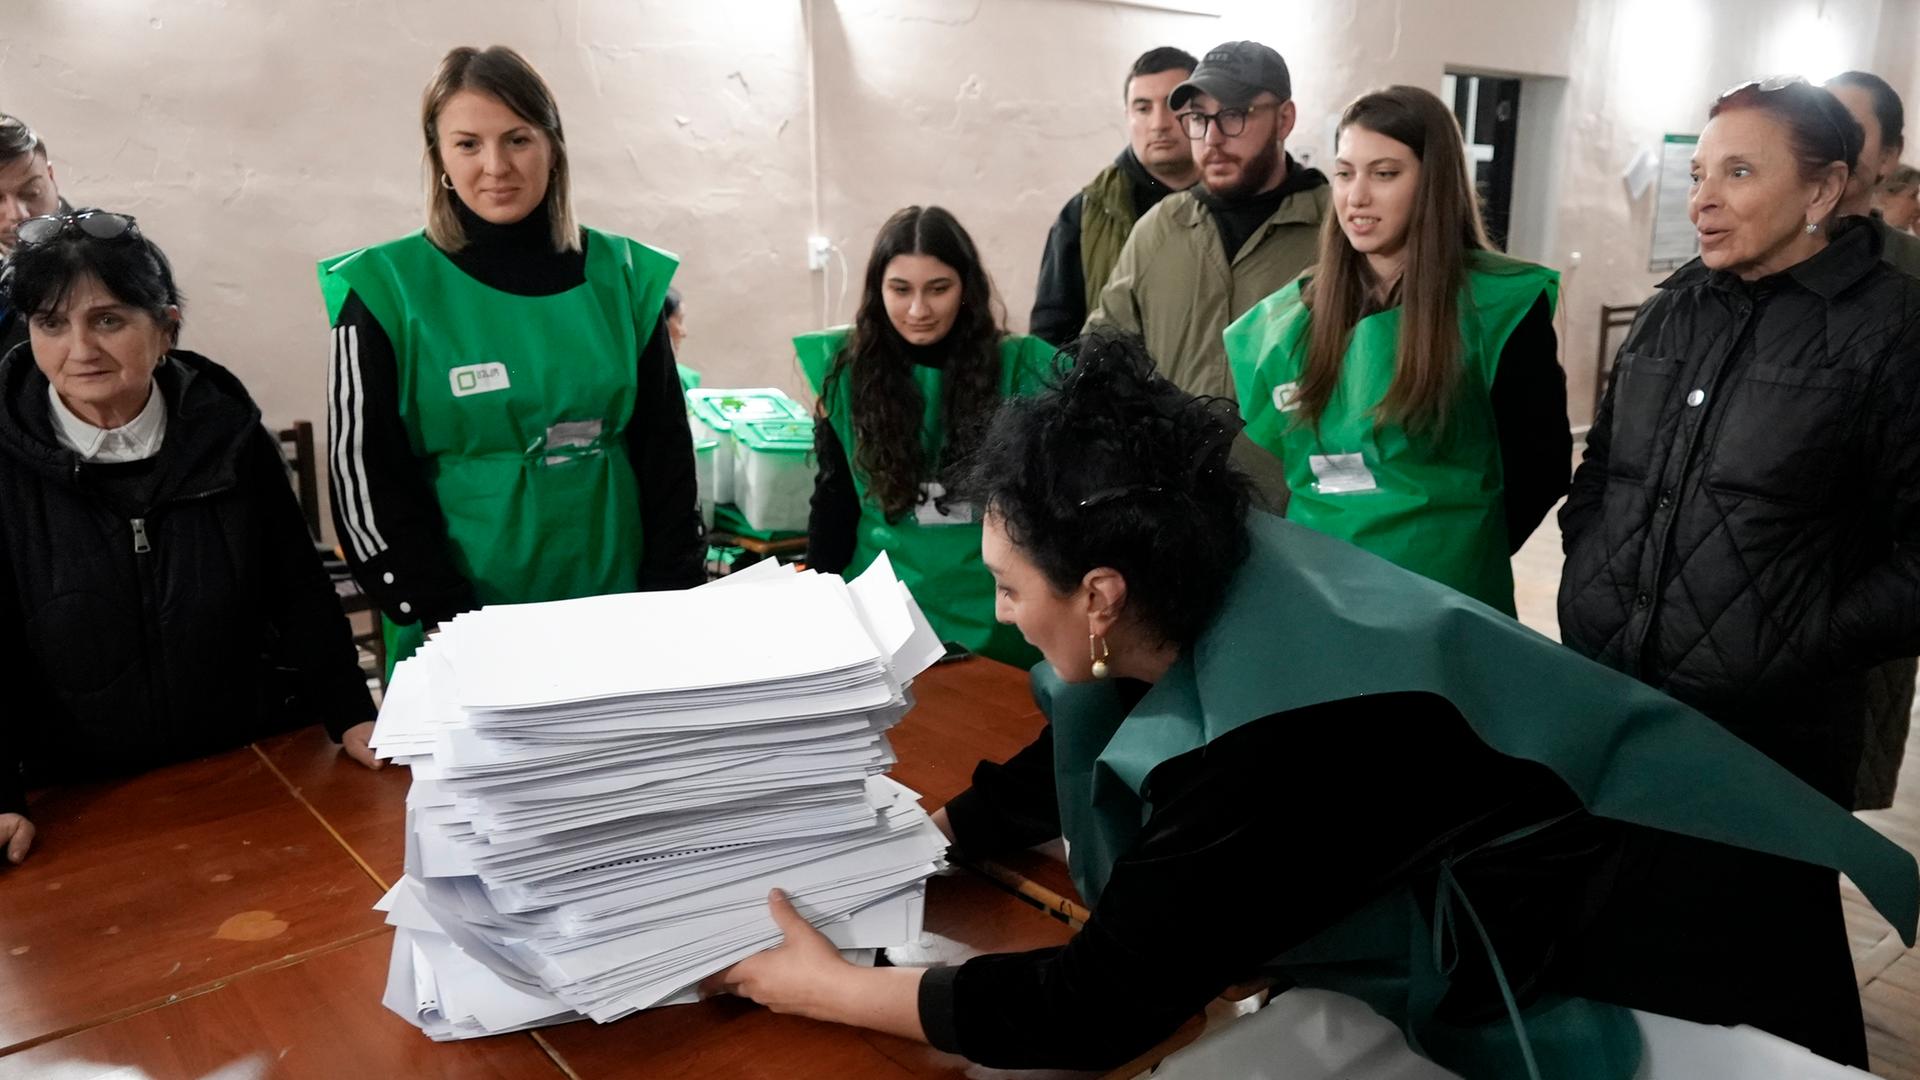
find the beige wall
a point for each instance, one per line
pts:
(252, 139)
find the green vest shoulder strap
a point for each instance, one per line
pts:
(1027, 364)
(816, 351)
(1502, 290)
(1106, 217)
(1026, 361)
(1277, 322)
(649, 270)
(374, 274)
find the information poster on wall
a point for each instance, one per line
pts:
(1674, 241)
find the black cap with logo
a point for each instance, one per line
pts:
(1234, 74)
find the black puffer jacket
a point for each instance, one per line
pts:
(1744, 531)
(211, 625)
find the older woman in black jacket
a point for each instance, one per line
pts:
(160, 597)
(1744, 532)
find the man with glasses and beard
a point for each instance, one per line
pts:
(1202, 257)
(27, 190)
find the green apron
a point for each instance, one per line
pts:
(939, 563)
(517, 408)
(1311, 619)
(1435, 508)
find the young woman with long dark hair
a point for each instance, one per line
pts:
(904, 396)
(1410, 381)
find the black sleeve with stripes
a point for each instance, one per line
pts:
(674, 555)
(385, 512)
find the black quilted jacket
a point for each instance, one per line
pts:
(1744, 532)
(158, 610)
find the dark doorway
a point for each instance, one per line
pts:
(1488, 108)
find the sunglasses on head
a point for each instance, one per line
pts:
(1766, 86)
(1773, 83)
(97, 224)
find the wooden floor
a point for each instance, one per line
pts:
(1888, 971)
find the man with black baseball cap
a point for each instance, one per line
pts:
(1201, 258)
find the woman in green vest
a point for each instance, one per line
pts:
(1276, 757)
(505, 422)
(904, 395)
(1410, 382)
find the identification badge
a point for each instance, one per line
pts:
(479, 379)
(572, 439)
(1340, 474)
(929, 512)
(1284, 395)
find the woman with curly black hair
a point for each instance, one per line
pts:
(1221, 685)
(904, 396)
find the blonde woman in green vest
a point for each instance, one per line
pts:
(505, 422)
(904, 395)
(1278, 759)
(1410, 382)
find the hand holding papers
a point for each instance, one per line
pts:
(605, 790)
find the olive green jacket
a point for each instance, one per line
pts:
(1174, 287)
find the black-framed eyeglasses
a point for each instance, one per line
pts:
(1774, 83)
(97, 224)
(1231, 121)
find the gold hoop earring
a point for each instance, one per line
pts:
(1097, 652)
(446, 181)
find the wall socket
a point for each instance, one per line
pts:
(818, 248)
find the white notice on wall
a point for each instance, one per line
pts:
(1674, 241)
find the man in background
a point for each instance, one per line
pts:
(1087, 236)
(27, 190)
(1882, 119)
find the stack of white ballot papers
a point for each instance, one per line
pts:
(605, 789)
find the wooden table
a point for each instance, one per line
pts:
(213, 919)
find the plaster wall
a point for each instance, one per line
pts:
(252, 139)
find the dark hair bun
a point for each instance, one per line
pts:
(1115, 466)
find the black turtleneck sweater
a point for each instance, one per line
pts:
(1239, 218)
(1060, 297)
(411, 575)
(834, 518)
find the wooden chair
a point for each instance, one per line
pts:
(296, 445)
(1612, 317)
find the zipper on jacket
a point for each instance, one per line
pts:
(140, 544)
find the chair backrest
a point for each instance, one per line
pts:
(1612, 317)
(296, 445)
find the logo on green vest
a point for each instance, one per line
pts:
(478, 379)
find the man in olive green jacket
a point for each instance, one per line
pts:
(1086, 238)
(1202, 257)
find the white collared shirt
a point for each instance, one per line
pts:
(136, 440)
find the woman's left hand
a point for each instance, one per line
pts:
(354, 742)
(793, 976)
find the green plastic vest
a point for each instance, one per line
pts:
(1106, 219)
(939, 564)
(517, 408)
(1435, 508)
(1628, 752)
